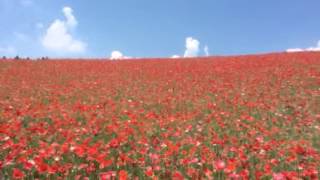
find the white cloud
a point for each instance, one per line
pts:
(71, 20)
(315, 48)
(294, 50)
(192, 47)
(206, 50)
(7, 50)
(175, 56)
(59, 38)
(117, 55)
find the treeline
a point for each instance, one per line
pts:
(25, 58)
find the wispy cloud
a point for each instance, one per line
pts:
(59, 38)
(314, 48)
(206, 50)
(175, 56)
(295, 50)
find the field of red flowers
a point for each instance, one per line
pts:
(244, 117)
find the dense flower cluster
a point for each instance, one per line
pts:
(246, 117)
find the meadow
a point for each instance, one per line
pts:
(240, 117)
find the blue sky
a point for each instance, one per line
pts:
(144, 28)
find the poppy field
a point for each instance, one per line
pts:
(241, 117)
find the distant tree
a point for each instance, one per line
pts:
(28, 58)
(44, 58)
(17, 58)
(4, 57)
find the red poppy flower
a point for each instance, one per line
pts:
(219, 165)
(123, 175)
(114, 143)
(17, 173)
(177, 176)
(149, 171)
(278, 176)
(107, 175)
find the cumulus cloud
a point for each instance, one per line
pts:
(7, 50)
(192, 47)
(71, 20)
(315, 48)
(58, 36)
(206, 50)
(117, 55)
